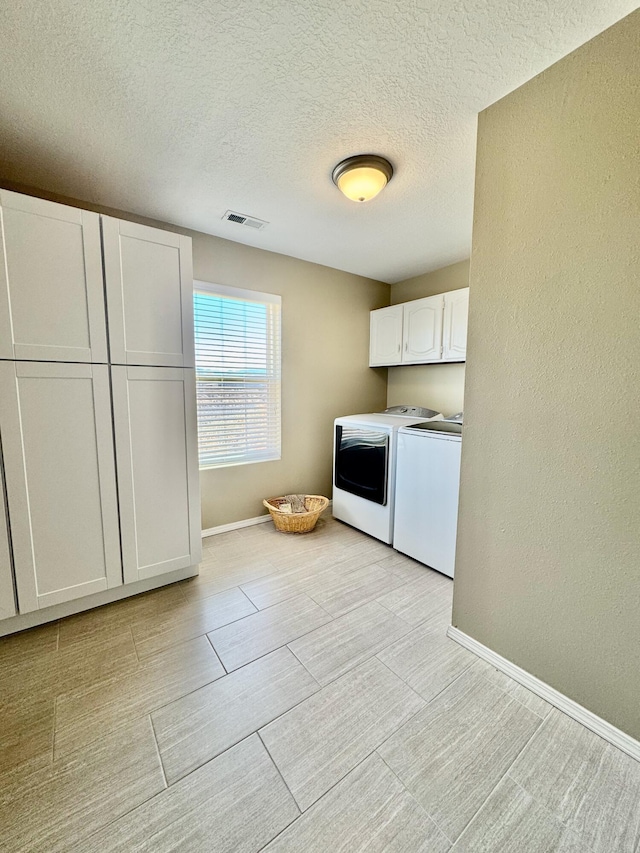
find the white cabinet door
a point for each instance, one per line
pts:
(149, 281)
(7, 596)
(385, 340)
(157, 464)
(57, 445)
(456, 314)
(423, 330)
(51, 286)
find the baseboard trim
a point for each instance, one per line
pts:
(568, 706)
(237, 525)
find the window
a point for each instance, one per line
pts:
(237, 339)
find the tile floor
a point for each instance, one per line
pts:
(299, 695)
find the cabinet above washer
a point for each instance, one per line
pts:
(424, 331)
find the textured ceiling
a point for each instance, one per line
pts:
(180, 110)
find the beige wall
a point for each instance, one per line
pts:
(325, 353)
(436, 386)
(548, 563)
(325, 356)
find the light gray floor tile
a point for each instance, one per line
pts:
(26, 727)
(343, 644)
(217, 575)
(84, 715)
(203, 724)
(29, 643)
(370, 810)
(591, 786)
(318, 742)
(278, 587)
(404, 567)
(423, 600)
(234, 804)
(94, 626)
(526, 697)
(427, 659)
(76, 665)
(339, 592)
(194, 619)
(511, 821)
(267, 630)
(51, 809)
(453, 753)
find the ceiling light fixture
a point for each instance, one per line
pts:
(361, 178)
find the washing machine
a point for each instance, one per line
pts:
(364, 469)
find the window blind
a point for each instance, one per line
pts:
(237, 343)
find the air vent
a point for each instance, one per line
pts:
(241, 219)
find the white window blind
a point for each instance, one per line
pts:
(237, 340)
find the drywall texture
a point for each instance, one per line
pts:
(437, 386)
(325, 356)
(547, 570)
(180, 110)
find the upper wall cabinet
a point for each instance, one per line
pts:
(57, 444)
(454, 333)
(424, 331)
(149, 294)
(385, 341)
(51, 288)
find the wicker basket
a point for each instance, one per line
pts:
(297, 522)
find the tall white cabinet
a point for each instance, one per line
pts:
(97, 429)
(149, 280)
(57, 444)
(51, 286)
(154, 416)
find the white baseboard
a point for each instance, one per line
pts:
(237, 525)
(591, 721)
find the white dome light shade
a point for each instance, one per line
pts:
(361, 178)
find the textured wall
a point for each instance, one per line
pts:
(181, 110)
(548, 563)
(437, 386)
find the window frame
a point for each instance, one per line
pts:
(262, 298)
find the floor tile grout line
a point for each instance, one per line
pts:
(587, 847)
(190, 639)
(413, 797)
(112, 821)
(226, 671)
(426, 701)
(306, 669)
(158, 753)
(504, 775)
(371, 654)
(135, 645)
(133, 719)
(319, 627)
(284, 781)
(129, 720)
(511, 696)
(324, 794)
(442, 689)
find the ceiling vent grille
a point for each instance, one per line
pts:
(242, 219)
